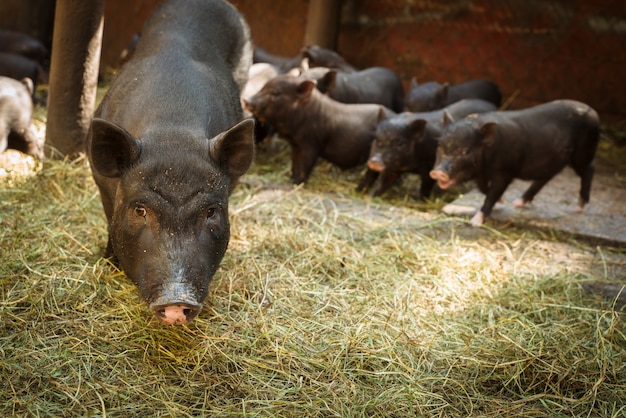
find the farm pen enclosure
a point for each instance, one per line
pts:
(329, 303)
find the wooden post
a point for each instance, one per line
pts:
(322, 27)
(76, 44)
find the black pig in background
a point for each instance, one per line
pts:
(531, 144)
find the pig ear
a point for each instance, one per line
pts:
(295, 72)
(112, 150)
(382, 114)
(28, 83)
(488, 132)
(304, 89)
(305, 52)
(447, 118)
(442, 92)
(233, 150)
(329, 78)
(417, 127)
(304, 64)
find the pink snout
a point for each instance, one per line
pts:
(176, 313)
(376, 164)
(247, 105)
(443, 180)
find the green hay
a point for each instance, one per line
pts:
(327, 304)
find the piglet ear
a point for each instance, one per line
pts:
(442, 92)
(418, 126)
(304, 65)
(233, 150)
(304, 90)
(447, 118)
(488, 132)
(112, 150)
(28, 83)
(382, 114)
(328, 81)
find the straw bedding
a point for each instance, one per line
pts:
(328, 303)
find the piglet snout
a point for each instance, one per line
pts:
(376, 164)
(176, 313)
(443, 180)
(248, 105)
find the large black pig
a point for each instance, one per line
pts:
(316, 125)
(167, 146)
(531, 144)
(433, 95)
(16, 112)
(371, 85)
(407, 143)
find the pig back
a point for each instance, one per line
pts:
(465, 107)
(541, 140)
(212, 33)
(478, 89)
(191, 53)
(560, 120)
(371, 85)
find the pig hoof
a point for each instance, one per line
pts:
(478, 219)
(519, 203)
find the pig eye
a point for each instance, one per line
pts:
(211, 213)
(140, 211)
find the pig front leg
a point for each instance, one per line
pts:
(36, 146)
(426, 187)
(483, 185)
(368, 179)
(495, 192)
(302, 163)
(388, 179)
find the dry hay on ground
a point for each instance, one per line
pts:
(327, 304)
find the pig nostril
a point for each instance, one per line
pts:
(176, 313)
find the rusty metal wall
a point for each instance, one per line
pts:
(536, 50)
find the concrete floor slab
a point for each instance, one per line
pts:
(604, 218)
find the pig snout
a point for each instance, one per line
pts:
(248, 104)
(443, 179)
(176, 313)
(252, 106)
(376, 163)
(176, 305)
